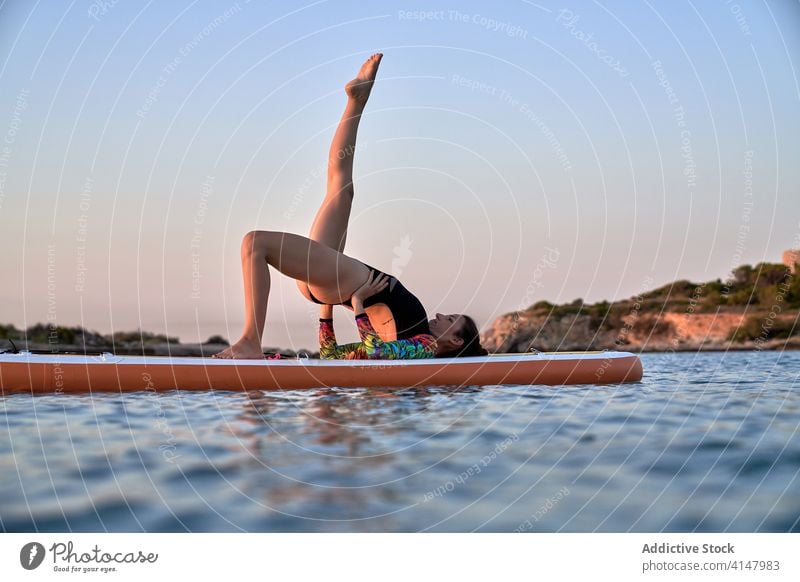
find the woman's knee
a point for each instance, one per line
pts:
(249, 242)
(256, 241)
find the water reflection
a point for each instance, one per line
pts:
(310, 450)
(348, 419)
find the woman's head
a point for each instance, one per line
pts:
(456, 336)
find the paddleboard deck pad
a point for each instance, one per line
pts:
(60, 373)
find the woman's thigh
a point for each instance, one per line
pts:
(333, 217)
(330, 275)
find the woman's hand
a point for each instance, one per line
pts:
(326, 311)
(371, 287)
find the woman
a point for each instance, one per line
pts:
(327, 276)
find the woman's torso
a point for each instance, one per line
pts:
(395, 312)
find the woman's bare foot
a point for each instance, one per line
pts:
(244, 349)
(359, 88)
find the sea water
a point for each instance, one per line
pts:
(706, 442)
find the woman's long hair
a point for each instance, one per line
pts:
(472, 341)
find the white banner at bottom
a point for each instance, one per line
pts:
(419, 557)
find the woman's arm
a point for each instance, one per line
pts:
(420, 346)
(326, 311)
(328, 348)
(371, 346)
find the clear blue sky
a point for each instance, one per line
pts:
(643, 142)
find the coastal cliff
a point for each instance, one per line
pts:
(756, 308)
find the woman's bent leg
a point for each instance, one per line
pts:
(332, 276)
(256, 279)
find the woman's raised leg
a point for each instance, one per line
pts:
(333, 275)
(330, 224)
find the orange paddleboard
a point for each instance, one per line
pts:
(56, 373)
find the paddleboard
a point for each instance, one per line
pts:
(60, 373)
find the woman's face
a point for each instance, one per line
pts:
(447, 327)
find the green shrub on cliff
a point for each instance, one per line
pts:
(541, 306)
(9, 331)
(764, 284)
(756, 327)
(41, 333)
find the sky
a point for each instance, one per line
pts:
(510, 152)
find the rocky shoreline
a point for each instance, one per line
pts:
(41, 338)
(757, 308)
(659, 332)
(154, 349)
